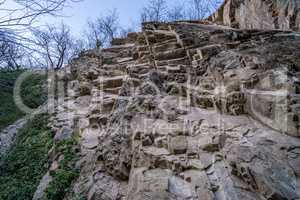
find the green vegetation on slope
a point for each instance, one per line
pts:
(32, 92)
(24, 166)
(9, 113)
(27, 162)
(67, 172)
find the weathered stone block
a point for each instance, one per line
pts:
(85, 88)
(178, 144)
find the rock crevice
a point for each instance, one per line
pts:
(190, 110)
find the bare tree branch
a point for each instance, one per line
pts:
(200, 9)
(27, 11)
(103, 30)
(55, 44)
(177, 12)
(156, 10)
(17, 18)
(11, 55)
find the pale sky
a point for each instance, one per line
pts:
(77, 14)
(80, 12)
(129, 12)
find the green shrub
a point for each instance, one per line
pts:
(9, 112)
(60, 185)
(27, 162)
(32, 92)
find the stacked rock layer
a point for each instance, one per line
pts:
(186, 111)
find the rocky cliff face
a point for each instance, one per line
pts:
(187, 111)
(260, 14)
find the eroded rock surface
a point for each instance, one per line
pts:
(260, 14)
(186, 111)
(8, 136)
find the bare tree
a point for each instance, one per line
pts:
(25, 12)
(109, 24)
(103, 30)
(198, 9)
(124, 32)
(11, 55)
(93, 35)
(201, 9)
(55, 45)
(78, 45)
(177, 12)
(17, 17)
(156, 10)
(144, 15)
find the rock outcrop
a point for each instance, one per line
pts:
(188, 111)
(8, 136)
(260, 14)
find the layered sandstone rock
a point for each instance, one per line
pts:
(186, 111)
(260, 14)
